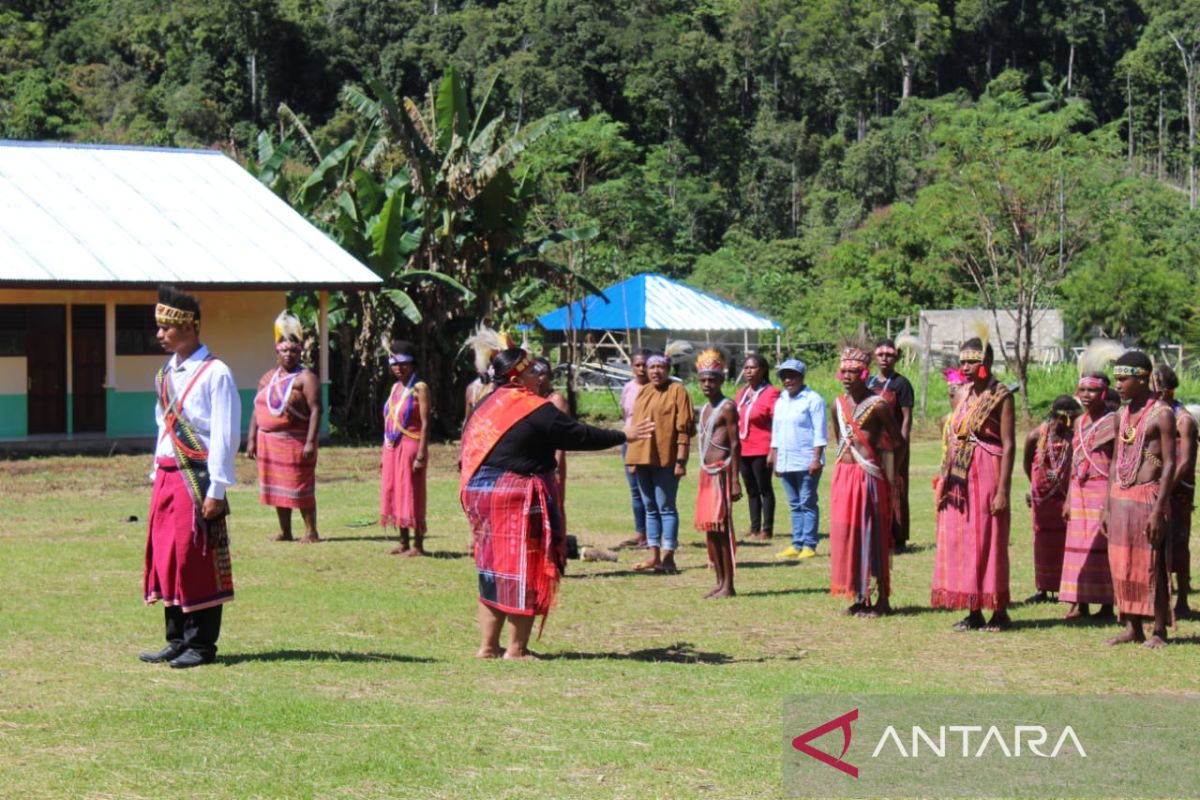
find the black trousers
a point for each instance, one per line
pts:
(195, 630)
(760, 493)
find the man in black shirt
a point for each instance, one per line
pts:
(898, 392)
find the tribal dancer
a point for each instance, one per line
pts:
(971, 564)
(283, 433)
(1086, 577)
(1139, 495)
(720, 456)
(896, 389)
(405, 455)
(508, 490)
(1183, 493)
(199, 415)
(1048, 467)
(863, 507)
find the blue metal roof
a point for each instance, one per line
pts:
(653, 302)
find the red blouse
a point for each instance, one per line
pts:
(755, 412)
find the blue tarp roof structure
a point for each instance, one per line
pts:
(653, 302)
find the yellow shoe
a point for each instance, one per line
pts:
(790, 554)
(806, 552)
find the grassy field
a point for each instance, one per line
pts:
(348, 673)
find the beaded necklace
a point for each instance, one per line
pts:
(1131, 444)
(747, 401)
(1085, 445)
(283, 394)
(1053, 466)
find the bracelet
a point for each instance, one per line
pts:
(681, 462)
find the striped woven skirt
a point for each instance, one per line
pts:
(1086, 577)
(285, 478)
(1135, 563)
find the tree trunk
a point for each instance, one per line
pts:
(1070, 67)
(906, 66)
(1162, 138)
(1129, 113)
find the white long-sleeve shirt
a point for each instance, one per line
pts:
(214, 410)
(797, 429)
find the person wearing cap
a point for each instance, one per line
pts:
(199, 413)
(798, 455)
(661, 460)
(282, 439)
(404, 459)
(898, 392)
(508, 488)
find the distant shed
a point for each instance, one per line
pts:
(947, 329)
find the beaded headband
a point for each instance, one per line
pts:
(970, 355)
(522, 364)
(1090, 382)
(855, 359)
(400, 358)
(168, 315)
(1129, 371)
(885, 350)
(652, 360)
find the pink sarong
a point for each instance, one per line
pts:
(402, 488)
(1051, 479)
(1135, 563)
(970, 568)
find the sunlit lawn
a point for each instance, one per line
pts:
(348, 673)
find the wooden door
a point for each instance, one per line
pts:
(46, 368)
(87, 369)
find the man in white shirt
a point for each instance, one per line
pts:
(798, 455)
(199, 414)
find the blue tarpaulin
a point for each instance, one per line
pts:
(653, 302)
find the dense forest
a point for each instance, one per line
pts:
(827, 162)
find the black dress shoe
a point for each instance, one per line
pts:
(166, 654)
(190, 658)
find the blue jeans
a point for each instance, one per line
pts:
(801, 491)
(635, 496)
(658, 486)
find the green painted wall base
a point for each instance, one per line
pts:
(132, 413)
(14, 416)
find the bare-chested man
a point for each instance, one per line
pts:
(863, 501)
(720, 457)
(1183, 492)
(1139, 494)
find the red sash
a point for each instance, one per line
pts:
(848, 415)
(493, 418)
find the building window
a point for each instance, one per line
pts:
(136, 331)
(12, 331)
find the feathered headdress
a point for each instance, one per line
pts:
(1098, 355)
(487, 343)
(710, 361)
(907, 340)
(288, 329)
(677, 349)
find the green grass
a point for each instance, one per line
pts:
(347, 673)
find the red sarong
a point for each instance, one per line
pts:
(714, 507)
(187, 561)
(860, 534)
(402, 496)
(1133, 560)
(1049, 490)
(519, 544)
(285, 478)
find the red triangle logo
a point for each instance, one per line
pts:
(801, 742)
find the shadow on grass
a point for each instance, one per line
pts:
(777, 592)
(766, 564)
(320, 655)
(678, 653)
(913, 549)
(358, 538)
(913, 611)
(624, 573)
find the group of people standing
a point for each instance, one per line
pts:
(1112, 488)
